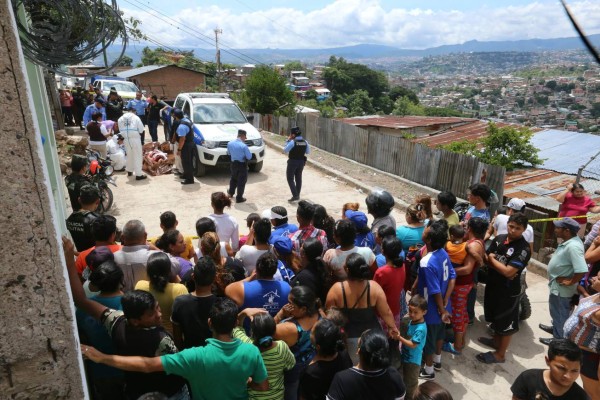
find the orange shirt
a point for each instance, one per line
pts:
(80, 262)
(457, 252)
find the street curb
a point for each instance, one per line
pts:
(399, 203)
(534, 266)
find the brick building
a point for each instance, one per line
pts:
(166, 80)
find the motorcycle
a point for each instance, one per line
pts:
(100, 175)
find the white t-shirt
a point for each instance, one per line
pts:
(248, 256)
(227, 229)
(336, 258)
(501, 227)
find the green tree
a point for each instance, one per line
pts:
(154, 57)
(551, 85)
(403, 106)
(266, 92)
(293, 66)
(400, 91)
(343, 78)
(442, 112)
(311, 94)
(468, 147)
(359, 103)
(383, 105)
(509, 147)
(126, 61)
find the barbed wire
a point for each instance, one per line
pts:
(69, 32)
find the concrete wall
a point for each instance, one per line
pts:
(38, 351)
(170, 81)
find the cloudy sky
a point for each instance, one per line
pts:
(321, 24)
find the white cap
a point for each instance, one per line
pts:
(269, 214)
(516, 204)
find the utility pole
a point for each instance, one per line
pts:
(217, 33)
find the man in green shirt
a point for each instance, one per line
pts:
(565, 269)
(218, 371)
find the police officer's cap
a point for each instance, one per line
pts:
(177, 112)
(295, 131)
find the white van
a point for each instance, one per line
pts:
(219, 118)
(126, 89)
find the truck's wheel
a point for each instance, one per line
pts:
(256, 167)
(199, 168)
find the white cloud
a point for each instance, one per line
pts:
(348, 22)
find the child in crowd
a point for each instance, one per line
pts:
(413, 343)
(250, 219)
(456, 246)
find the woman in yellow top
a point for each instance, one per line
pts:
(158, 270)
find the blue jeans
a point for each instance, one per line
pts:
(153, 129)
(560, 307)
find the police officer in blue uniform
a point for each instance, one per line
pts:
(240, 155)
(186, 146)
(297, 148)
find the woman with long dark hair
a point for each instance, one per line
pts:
(314, 271)
(330, 359)
(158, 270)
(275, 353)
(173, 242)
(372, 378)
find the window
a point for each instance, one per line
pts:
(187, 110)
(218, 113)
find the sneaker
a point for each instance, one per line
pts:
(449, 348)
(139, 178)
(424, 375)
(437, 366)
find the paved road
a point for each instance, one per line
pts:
(464, 376)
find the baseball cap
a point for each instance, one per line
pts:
(98, 256)
(516, 204)
(276, 212)
(568, 223)
(283, 245)
(99, 100)
(177, 113)
(358, 218)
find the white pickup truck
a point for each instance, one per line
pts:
(219, 118)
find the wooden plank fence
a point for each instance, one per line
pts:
(436, 168)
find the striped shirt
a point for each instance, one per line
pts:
(580, 327)
(277, 360)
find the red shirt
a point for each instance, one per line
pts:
(574, 206)
(391, 281)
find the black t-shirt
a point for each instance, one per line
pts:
(74, 183)
(317, 377)
(79, 225)
(146, 342)
(310, 278)
(353, 383)
(114, 109)
(191, 314)
(154, 110)
(530, 384)
(516, 254)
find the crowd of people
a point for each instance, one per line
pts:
(328, 308)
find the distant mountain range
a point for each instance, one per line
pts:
(373, 52)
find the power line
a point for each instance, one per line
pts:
(204, 38)
(274, 22)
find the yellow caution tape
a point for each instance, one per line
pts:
(555, 219)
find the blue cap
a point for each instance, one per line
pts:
(568, 223)
(358, 218)
(177, 113)
(283, 245)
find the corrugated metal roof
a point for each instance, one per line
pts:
(566, 151)
(406, 122)
(138, 71)
(470, 131)
(539, 187)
